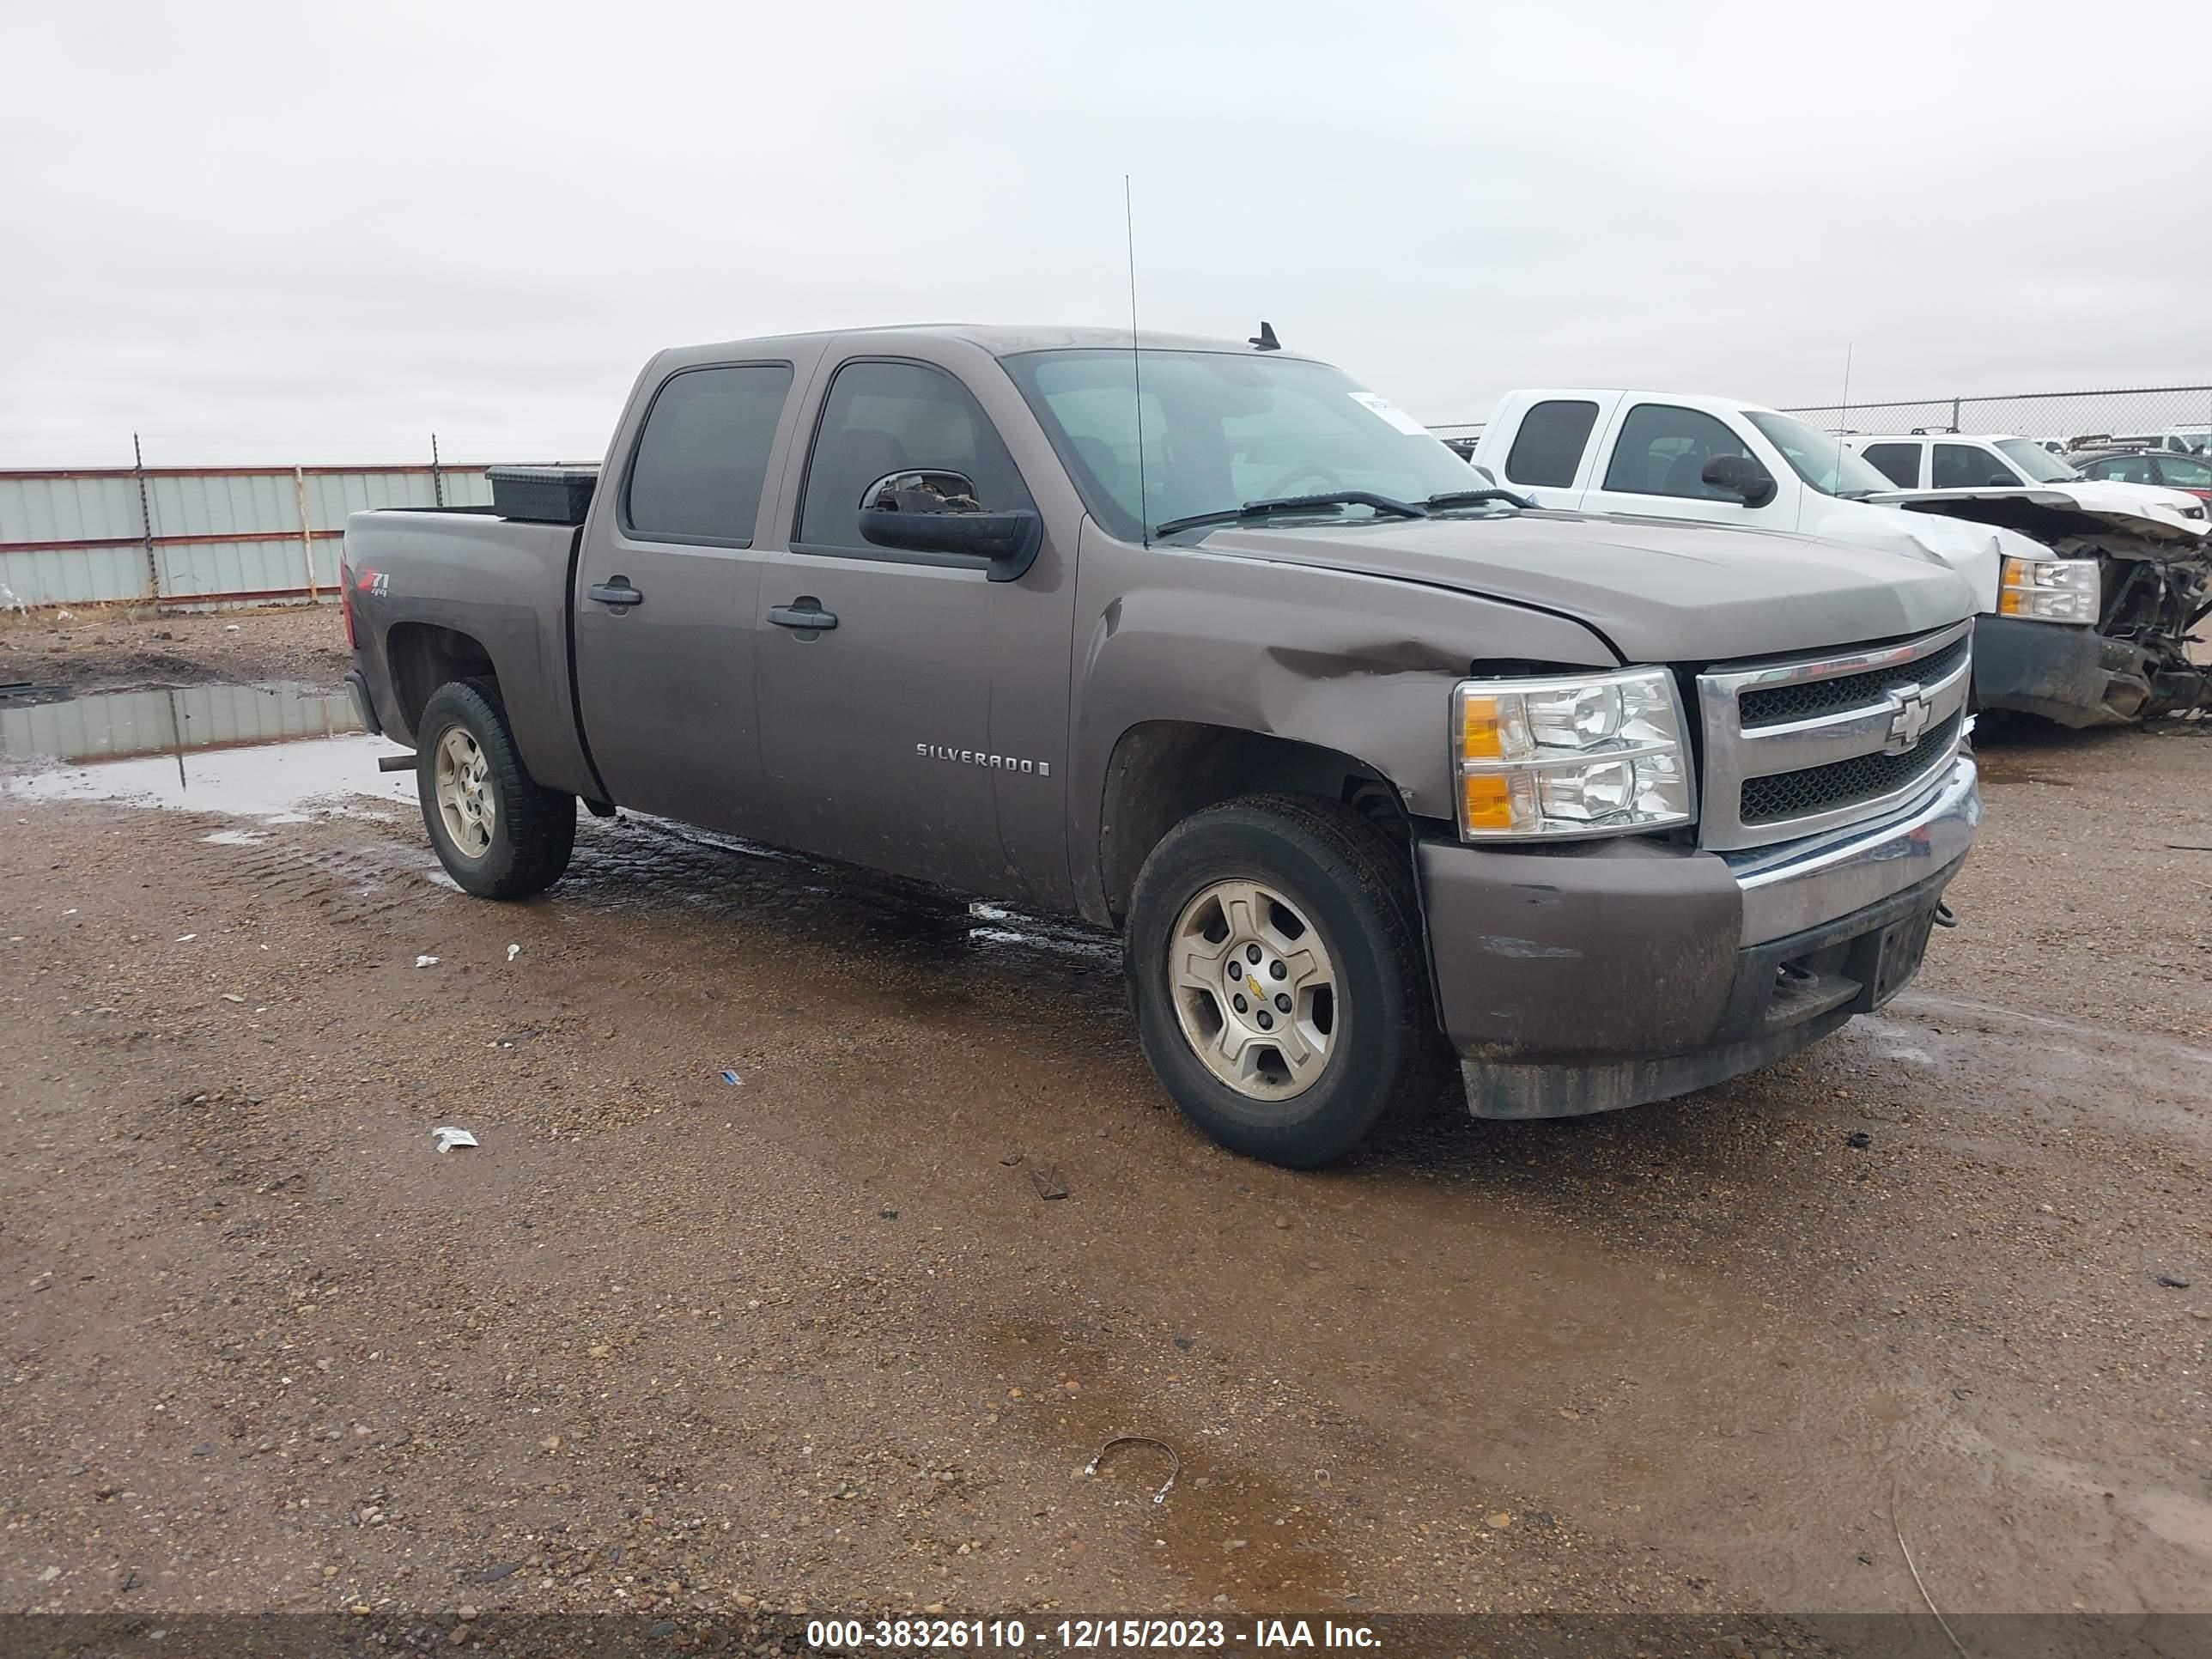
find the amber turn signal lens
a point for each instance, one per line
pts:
(1478, 729)
(1487, 801)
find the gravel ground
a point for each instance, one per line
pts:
(815, 1338)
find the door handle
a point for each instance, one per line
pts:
(616, 592)
(804, 613)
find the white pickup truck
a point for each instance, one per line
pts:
(2086, 609)
(1953, 461)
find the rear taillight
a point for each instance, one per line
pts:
(345, 604)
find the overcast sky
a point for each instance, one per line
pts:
(295, 232)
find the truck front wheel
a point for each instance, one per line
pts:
(1281, 987)
(498, 835)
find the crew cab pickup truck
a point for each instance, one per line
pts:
(1958, 461)
(2088, 595)
(1379, 773)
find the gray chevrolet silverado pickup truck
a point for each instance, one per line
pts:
(1378, 772)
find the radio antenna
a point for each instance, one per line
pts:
(1843, 414)
(1136, 364)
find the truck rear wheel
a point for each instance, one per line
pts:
(498, 835)
(1281, 988)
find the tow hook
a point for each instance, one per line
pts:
(1943, 917)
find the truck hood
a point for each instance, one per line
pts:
(1660, 590)
(2137, 509)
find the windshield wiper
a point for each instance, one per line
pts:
(1267, 509)
(1452, 498)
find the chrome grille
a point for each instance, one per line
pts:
(1795, 747)
(1783, 703)
(1863, 777)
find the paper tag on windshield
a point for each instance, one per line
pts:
(1390, 412)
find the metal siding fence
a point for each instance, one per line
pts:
(218, 536)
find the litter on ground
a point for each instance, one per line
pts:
(1159, 1497)
(426, 962)
(447, 1137)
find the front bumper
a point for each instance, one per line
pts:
(2063, 671)
(1579, 981)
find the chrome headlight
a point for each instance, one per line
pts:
(1578, 755)
(2049, 590)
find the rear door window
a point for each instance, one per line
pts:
(702, 461)
(1969, 466)
(1662, 450)
(2185, 472)
(1898, 463)
(884, 417)
(1548, 448)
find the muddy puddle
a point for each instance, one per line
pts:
(272, 753)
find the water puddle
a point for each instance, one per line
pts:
(2084, 1073)
(265, 752)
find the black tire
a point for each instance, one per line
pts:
(1355, 885)
(533, 829)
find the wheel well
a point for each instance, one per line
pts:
(423, 656)
(1164, 770)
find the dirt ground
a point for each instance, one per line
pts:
(814, 1339)
(121, 647)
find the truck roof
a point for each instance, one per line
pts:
(1000, 339)
(1934, 438)
(1701, 400)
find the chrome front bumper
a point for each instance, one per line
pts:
(1802, 883)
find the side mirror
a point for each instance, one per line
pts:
(1007, 543)
(1742, 477)
(2002, 481)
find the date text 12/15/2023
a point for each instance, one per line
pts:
(1086, 1634)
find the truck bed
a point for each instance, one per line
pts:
(505, 581)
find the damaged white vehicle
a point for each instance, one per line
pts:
(2087, 607)
(2154, 562)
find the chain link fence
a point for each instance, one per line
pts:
(2161, 416)
(2164, 416)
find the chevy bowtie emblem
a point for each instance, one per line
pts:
(1909, 715)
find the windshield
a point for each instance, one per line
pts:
(1821, 460)
(1221, 430)
(2038, 464)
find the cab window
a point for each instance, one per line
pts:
(884, 417)
(701, 460)
(1898, 463)
(1663, 451)
(1548, 448)
(1968, 467)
